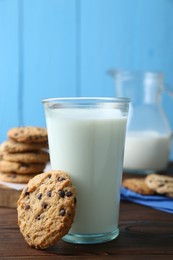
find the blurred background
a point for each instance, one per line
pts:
(58, 48)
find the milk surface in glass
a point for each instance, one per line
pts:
(89, 145)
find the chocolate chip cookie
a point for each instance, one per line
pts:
(160, 183)
(169, 194)
(26, 157)
(46, 208)
(11, 146)
(138, 185)
(15, 178)
(21, 168)
(28, 134)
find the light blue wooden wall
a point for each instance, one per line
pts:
(55, 48)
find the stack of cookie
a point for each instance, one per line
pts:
(152, 184)
(24, 154)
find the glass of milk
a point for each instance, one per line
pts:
(86, 139)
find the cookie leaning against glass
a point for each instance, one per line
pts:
(46, 208)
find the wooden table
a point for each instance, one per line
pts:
(145, 233)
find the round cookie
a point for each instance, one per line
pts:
(11, 146)
(28, 134)
(27, 157)
(137, 185)
(21, 168)
(46, 208)
(15, 178)
(169, 194)
(160, 183)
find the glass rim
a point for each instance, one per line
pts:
(117, 100)
(132, 74)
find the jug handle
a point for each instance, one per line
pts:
(168, 91)
(170, 94)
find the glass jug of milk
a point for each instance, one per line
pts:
(148, 137)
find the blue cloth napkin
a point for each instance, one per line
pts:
(162, 203)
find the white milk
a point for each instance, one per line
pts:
(89, 144)
(147, 150)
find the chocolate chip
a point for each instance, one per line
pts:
(49, 193)
(68, 193)
(27, 207)
(26, 192)
(161, 185)
(39, 196)
(61, 193)
(38, 217)
(49, 176)
(24, 165)
(44, 205)
(75, 200)
(61, 179)
(62, 212)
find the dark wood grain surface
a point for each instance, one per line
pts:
(145, 233)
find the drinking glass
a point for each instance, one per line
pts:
(86, 140)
